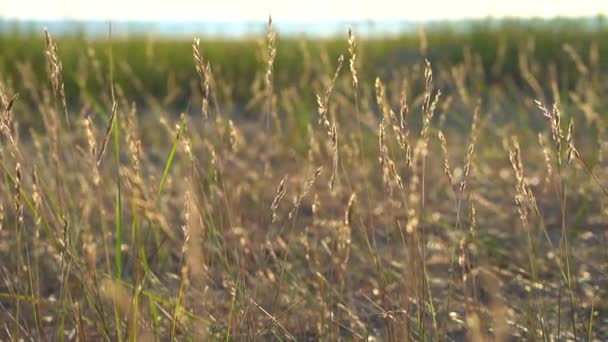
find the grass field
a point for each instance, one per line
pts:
(285, 189)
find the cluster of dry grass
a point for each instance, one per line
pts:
(420, 206)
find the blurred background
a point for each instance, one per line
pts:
(240, 17)
(152, 39)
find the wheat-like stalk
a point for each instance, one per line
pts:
(576, 59)
(134, 140)
(271, 53)
(352, 48)
(547, 158)
(106, 136)
(305, 190)
(55, 69)
(387, 165)
(92, 148)
(280, 193)
(467, 167)
(330, 127)
(446, 162)
(521, 196)
(204, 73)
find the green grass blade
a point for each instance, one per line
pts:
(155, 318)
(163, 180)
(119, 227)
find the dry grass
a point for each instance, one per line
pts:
(139, 225)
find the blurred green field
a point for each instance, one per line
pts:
(163, 67)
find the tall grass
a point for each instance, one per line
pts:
(435, 199)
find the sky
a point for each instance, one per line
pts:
(294, 11)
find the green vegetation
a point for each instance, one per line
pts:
(163, 67)
(302, 195)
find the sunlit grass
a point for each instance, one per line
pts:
(326, 190)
